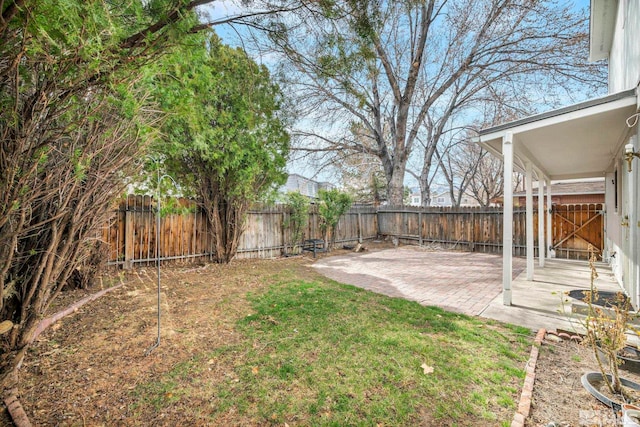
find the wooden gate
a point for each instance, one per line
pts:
(575, 227)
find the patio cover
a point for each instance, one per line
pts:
(578, 141)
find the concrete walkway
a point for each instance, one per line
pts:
(468, 283)
(538, 303)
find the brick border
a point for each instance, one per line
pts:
(527, 389)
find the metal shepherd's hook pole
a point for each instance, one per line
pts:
(157, 343)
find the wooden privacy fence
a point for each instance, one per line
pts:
(131, 234)
(266, 236)
(471, 229)
(573, 227)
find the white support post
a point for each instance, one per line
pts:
(634, 226)
(549, 223)
(541, 243)
(529, 220)
(635, 185)
(507, 221)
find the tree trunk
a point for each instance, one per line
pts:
(226, 219)
(425, 195)
(395, 185)
(14, 351)
(334, 231)
(9, 363)
(455, 201)
(425, 190)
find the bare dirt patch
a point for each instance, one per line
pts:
(558, 395)
(63, 384)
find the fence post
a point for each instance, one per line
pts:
(359, 228)
(420, 227)
(128, 239)
(473, 231)
(282, 230)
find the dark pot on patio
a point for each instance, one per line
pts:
(592, 382)
(629, 358)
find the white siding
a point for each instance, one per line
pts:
(624, 59)
(306, 187)
(624, 73)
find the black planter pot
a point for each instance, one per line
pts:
(591, 380)
(629, 364)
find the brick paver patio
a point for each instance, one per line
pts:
(463, 282)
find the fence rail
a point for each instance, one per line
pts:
(131, 233)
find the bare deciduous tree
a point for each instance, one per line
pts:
(416, 67)
(487, 183)
(361, 173)
(471, 171)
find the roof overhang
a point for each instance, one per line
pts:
(579, 141)
(602, 23)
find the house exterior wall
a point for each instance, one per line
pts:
(624, 57)
(325, 186)
(304, 186)
(468, 201)
(630, 226)
(622, 226)
(444, 200)
(612, 226)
